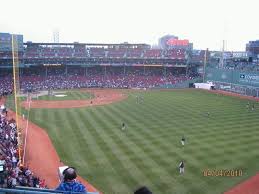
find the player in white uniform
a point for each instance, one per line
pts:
(183, 141)
(123, 127)
(181, 167)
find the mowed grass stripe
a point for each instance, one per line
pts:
(95, 158)
(105, 148)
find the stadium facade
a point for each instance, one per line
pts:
(116, 61)
(106, 60)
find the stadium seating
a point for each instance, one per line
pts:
(175, 54)
(153, 53)
(97, 52)
(64, 52)
(13, 173)
(6, 55)
(31, 52)
(80, 52)
(47, 52)
(134, 53)
(117, 53)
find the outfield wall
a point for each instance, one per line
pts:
(241, 82)
(233, 76)
(180, 85)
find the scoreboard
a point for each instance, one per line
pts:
(173, 42)
(176, 42)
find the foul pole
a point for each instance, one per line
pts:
(16, 86)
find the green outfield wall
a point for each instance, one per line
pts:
(233, 76)
(242, 82)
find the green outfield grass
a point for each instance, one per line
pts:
(148, 151)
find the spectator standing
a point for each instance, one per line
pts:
(143, 190)
(69, 182)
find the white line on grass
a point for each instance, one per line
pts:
(26, 132)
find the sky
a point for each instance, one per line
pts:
(205, 23)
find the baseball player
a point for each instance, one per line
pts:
(123, 126)
(183, 140)
(247, 105)
(181, 167)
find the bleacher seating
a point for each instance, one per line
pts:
(116, 53)
(153, 53)
(80, 52)
(134, 53)
(47, 52)
(31, 52)
(64, 52)
(5, 54)
(97, 52)
(175, 54)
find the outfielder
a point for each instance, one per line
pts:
(123, 127)
(181, 167)
(183, 140)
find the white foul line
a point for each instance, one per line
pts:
(26, 132)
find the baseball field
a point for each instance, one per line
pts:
(221, 136)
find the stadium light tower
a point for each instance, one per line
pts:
(221, 62)
(56, 36)
(204, 64)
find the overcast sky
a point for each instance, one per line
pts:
(204, 22)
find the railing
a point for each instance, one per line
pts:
(31, 190)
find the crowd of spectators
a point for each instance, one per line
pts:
(96, 52)
(136, 78)
(6, 86)
(12, 173)
(100, 52)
